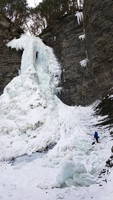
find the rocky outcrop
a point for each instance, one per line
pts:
(84, 85)
(98, 26)
(9, 65)
(105, 108)
(9, 59)
(109, 162)
(70, 50)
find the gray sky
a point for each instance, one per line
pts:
(33, 3)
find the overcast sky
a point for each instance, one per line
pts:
(33, 3)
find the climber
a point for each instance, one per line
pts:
(96, 136)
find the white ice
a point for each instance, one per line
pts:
(84, 62)
(79, 16)
(80, 3)
(32, 118)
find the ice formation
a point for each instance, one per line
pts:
(84, 62)
(29, 103)
(80, 3)
(82, 37)
(79, 16)
(32, 119)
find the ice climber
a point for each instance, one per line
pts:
(96, 136)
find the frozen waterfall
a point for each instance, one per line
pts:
(39, 62)
(32, 119)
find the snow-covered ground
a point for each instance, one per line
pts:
(33, 119)
(30, 179)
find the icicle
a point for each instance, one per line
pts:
(79, 16)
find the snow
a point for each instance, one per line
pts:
(33, 3)
(79, 16)
(80, 3)
(25, 180)
(111, 97)
(32, 119)
(84, 62)
(82, 37)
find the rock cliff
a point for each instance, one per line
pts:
(9, 59)
(70, 50)
(84, 85)
(98, 24)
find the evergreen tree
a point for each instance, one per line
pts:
(53, 9)
(16, 10)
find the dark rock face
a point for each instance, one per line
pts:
(9, 59)
(9, 65)
(70, 50)
(105, 108)
(98, 23)
(85, 85)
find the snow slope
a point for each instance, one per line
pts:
(25, 180)
(32, 119)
